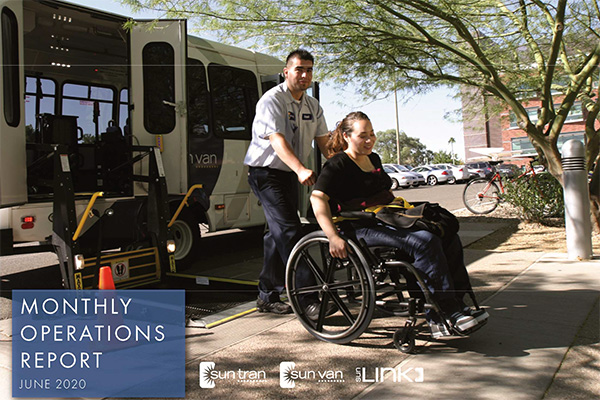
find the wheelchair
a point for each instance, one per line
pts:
(350, 290)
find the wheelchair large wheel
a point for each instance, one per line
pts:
(344, 289)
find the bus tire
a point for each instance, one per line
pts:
(186, 233)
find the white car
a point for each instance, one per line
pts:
(460, 172)
(433, 174)
(397, 168)
(399, 178)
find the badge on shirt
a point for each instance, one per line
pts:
(307, 117)
(291, 116)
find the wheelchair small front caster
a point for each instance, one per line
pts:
(404, 340)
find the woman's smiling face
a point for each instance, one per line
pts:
(362, 138)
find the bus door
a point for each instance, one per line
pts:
(13, 168)
(315, 162)
(157, 97)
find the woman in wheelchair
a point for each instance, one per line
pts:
(354, 179)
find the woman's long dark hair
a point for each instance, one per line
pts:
(337, 142)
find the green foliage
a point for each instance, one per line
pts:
(442, 157)
(536, 197)
(500, 50)
(412, 151)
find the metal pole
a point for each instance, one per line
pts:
(577, 201)
(397, 127)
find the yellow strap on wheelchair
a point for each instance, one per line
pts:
(398, 202)
(401, 201)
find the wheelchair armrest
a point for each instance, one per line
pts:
(357, 215)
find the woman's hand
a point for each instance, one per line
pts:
(337, 247)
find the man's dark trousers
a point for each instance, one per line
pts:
(278, 192)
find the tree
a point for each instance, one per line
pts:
(507, 50)
(412, 151)
(451, 142)
(442, 157)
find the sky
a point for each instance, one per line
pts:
(421, 116)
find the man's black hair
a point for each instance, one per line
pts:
(301, 54)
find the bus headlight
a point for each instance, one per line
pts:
(171, 246)
(79, 262)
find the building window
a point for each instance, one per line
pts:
(532, 112)
(564, 137)
(575, 113)
(10, 68)
(234, 94)
(522, 145)
(159, 87)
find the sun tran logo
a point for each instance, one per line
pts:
(209, 375)
(206, 381)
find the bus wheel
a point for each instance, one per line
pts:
(186, 233)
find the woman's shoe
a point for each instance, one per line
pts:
(462, 322)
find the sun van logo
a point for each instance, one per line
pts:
(289, 375)
(285, 374)
(204, 160)
(210, 375)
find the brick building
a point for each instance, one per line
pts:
(501, 130)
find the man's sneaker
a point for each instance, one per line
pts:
(479, 315)
(312, 310)
(438, 330)
(276, 307)
(462, 322)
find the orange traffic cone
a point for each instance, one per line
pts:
(110, 321)
(105, 282)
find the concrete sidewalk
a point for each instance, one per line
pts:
(541, 342)
(534, 322)
(538, 305)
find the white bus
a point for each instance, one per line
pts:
(74, 76)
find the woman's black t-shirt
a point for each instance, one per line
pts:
(351, 188)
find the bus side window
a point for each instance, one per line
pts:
(234, 94)
(159, 87)
(10, 59)
(40, 98)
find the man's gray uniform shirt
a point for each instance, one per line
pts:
(278, 112)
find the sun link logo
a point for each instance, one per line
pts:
(288, 375)
(209, 375)
(396, 375)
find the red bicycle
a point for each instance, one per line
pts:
(482, 195)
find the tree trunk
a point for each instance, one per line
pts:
(595, 196)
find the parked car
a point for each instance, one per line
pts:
(400, 179)
(401, 168)
(460, 172)
(484, 169)
(509, 170)
(433, 174)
